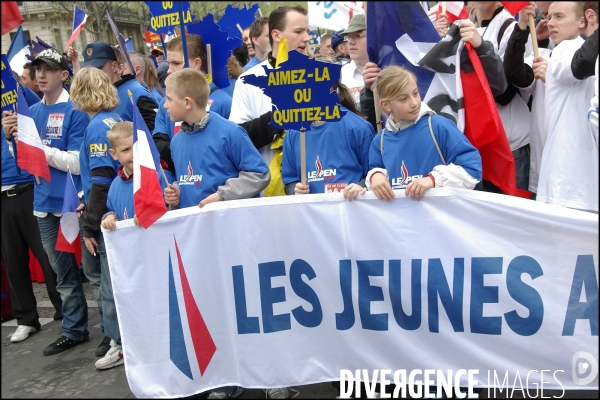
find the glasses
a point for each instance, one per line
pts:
(356, 36)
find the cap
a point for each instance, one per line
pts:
(52, 58)
(357, 24)
(155, 51)
(336, 39)
(96, 54)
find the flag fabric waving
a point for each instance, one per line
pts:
(31, 156)
(455, 10)
(475, 113)
(11, 16)
(79, 20)
(513, 7)
(148, 198)
(18, 52)
(400, 33)
(68, 239)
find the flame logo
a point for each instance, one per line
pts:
(125, 216)
(319, 167)
(190, 171)
(404, 173)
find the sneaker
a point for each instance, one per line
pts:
(22, 333)
(113, 358)
(62, 343)
(103, 347)
(281, 393)
(224, 395)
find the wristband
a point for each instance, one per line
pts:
(432, 178)
(375, 173)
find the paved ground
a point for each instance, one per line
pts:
(26, 373)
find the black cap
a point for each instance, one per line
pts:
(96, 54)
(52, 58)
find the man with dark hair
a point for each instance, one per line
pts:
(259, 35)
(28, 79)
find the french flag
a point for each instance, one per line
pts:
(31, 156)
(18, 51)
(68, 239)
(79, 20)
(455, 10)
(148, 198)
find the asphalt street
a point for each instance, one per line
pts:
(27, 373)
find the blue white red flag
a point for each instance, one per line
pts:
(148, 198)
(31, 156)
(79, 20)
(400, 33)
(18, 51)
(68, 239)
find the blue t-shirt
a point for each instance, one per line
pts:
(206, 159)
(229, 89)
(120, 195)
(60, 127)
(411, 153)
(219, 102)
(155, 93)
(337, 154)
(253, 61)
(125, 107)
(94, 150)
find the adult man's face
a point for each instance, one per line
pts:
(563, 22)
(248, 41)
(262, 42)
(326, 47)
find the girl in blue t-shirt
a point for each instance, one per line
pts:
(337, 153)
(417, 150)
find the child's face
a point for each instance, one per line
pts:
(123, 152)
(407, 105)
(175, 106)
(48, 79)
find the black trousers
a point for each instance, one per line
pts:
(20, 232)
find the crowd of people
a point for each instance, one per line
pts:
(547, 104)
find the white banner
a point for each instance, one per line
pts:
(287, 291)
(333, 15)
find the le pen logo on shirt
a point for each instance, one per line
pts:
(190, 178)
(320, 174)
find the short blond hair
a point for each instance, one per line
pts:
(92, 91)
(391, 81)
(189, 83)
(120, 130)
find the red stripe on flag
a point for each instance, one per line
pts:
(11, 16)
(148, 200)
(484, 129)
(33, 160)
(204, 346)
(63, 245)
(513, 7)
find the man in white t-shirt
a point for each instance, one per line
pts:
(351, 76)
(569, 170)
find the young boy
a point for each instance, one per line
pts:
(241, 171)
(120, 195)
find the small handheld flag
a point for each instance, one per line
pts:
(68, 238)
(79, 20)
(282, 52)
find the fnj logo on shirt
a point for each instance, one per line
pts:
(202, 342)
(98, 149)
(405, 179)
(190, 178)
(320, 173)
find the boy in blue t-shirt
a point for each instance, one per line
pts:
(120, 202)
(214, 158)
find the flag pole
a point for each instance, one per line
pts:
(443, 7)
(162, 41)
(303, 155)
(183, 41)
(375, 94)
(536, 51)
(209, 62)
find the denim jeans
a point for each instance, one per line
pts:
(111, 323)
(92, 270)
(74, 306)
(521, 157)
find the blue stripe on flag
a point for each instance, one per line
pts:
(18, 43)
(178, 351)
(71, 201)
